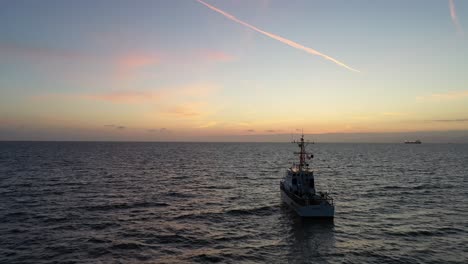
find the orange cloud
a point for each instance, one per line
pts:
(183, 111)
(208, 124)
(190, 109)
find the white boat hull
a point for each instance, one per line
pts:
(314, 211)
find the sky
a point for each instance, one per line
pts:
(218, 69)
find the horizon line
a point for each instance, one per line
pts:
(184, 141)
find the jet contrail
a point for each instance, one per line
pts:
(279, 38)
(453, 14)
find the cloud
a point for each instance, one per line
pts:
(116, 127)
(161, 130)
(449, 96)
(129, 64)
(276, 37)
(198, 58)
(250, 130)
(208, 124)
(117, 66)
(450, 120)
(244, 124)
(122, 96)
(137, 61)
(216, 56)
(271, 131)
(453, 15)
(183, 111)
(192, 92)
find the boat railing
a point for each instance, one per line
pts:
(326, 197)
(322, 198)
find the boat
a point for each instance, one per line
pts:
(298, 189)
(413, 142)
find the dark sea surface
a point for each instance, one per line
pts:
(65, 202)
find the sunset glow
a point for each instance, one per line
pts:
(211, 70)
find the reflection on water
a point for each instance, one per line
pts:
(309, 240)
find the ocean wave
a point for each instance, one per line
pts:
(111, 207)
(426, 232)
(263, 211)
(106, 207)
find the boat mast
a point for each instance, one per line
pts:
(302, 154)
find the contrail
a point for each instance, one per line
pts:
(453, 14)
(279, 38)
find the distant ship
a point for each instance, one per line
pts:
(413, 142)
(298, 189)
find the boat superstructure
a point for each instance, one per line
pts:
(298, 189)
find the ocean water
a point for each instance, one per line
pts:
(64, 202)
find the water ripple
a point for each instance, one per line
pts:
(219, 202)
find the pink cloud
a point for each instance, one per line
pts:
(128, 65)
(123, 65)
(198, 58)
(136, 61)
(453, 15)
(112, 96)
(216, 56)
(128, 97)
(194, 92)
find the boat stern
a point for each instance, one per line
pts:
(317, 211)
